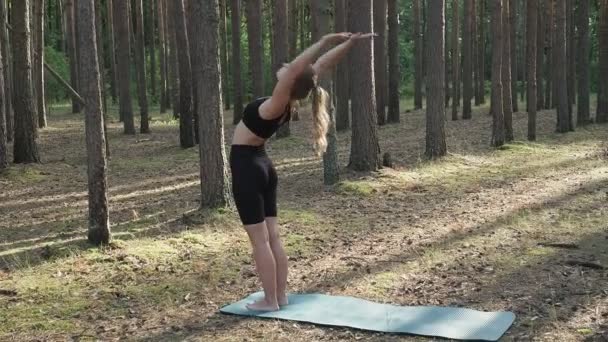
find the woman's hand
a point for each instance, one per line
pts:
(337, 38)
(359, 36)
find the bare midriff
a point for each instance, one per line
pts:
(244, 136)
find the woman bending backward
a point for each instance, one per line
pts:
(254, 178)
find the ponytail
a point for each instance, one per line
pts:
(320, 119)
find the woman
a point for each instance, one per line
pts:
(254, 179)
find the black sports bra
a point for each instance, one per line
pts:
(259, 126)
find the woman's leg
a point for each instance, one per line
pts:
(280, 258)
(265, 265)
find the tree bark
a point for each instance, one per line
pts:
(342, 82)
(418, 56)
(467, 60)
(280, 48)
(293, 8)
(365, 150)
(256, 48)
(112, 44)
(380, 63)
(123, 49)
(560, 68)
(8, 91)
(435, 85)
(513, 54)
(506, 72)
(152, 47)
(540, 55)
(394, 73)
(186, 126)
(531, 27)
(455, 60)
(482, 52)
(25, 146)
(226, 96)
(39, 62)
(602, 98)
(583, 113)
(170, 34)
(99, 222)
(162, 47)
(140, 57)
(570, 56)
(71, 49)
(237, 83)
(3, 133)
(498, 126)
(549, 23)
(215, 185)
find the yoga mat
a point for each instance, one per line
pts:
(447, 322)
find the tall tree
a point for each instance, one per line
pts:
(162, 55)
(71, 49)
(224, 55)
(481, 55)
(237, 83)
(560, 66)
(418, 55)
(152, 46)
(38, 59)
(549, 51)
(540, 55)
(365, 149)
(467, 60)
(186, 125)
(3, 133)
(99, 222)
(394, 74)
(215, 189)
(112, 48)
(194, 56)
(531, 41)
(570, 56)
(583, 115)
(602, 98)
(123, 48)
(253, 11)
(455, 61)
(25, 146)
(498, 125)
(380, 8)
(293, 8)
(474, 50)
(173, 68)
(513, 53)
(506, 72)
(435, 85)
(280, 47)
(140, 57)
(342, 82)
(8, 92)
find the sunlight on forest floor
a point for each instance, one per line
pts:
(522, 228)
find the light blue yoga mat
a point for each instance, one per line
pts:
(447, 322)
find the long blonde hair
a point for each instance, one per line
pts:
(320, 119)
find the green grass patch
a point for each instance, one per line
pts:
(355, 188)
(22, 174)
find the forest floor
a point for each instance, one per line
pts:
(522, 228)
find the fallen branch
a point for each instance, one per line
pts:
(559, 245)
(585, 264)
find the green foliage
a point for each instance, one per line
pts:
(59, 62)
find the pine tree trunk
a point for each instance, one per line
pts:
(549, 24)
(173, 69)
(39, 63)
(152, 47)
(380, 8)
(215, 185)
(482, 51)
(293, 8)
(162, 56)
(455, 60)
(560, 67)
(3, 133)
(112, 45)
(506, 72)
(583, 113)
(540, 55)
(71, 49)
(365, 150)
(123, 48)
(8, 91)
(602, 97)
(342, 82)
(256, 47)
(498, 126)
(467, 60)
(99, 223)
(100, 59)
(394, 73)
(513, 54)
(418, 56)
(571, 56)
(186, 124)
(224, 56)
(237, 83)
(531, 27)
(475, 42)
(188, 15)
(25, 146)
(140, 57)
(33, 71)
(435, 85)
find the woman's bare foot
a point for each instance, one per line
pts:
(262, 305)
(283, 301)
